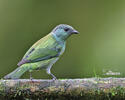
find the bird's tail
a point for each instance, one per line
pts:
(17, 73)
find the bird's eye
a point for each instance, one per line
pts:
(66, 29)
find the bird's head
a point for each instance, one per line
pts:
(63, 31)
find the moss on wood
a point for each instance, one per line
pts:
(67, 89)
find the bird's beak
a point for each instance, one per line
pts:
(75, 32)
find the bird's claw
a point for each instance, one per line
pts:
(54, 78)
(31, 78)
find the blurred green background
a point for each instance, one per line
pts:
(98, 49)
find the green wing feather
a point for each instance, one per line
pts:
(43, 49)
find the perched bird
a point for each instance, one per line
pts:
(44, 53)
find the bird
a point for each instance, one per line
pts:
(44, 53)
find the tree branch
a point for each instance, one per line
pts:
(68, 89)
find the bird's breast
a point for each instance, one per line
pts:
(63, 49)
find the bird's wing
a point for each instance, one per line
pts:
(42, 50)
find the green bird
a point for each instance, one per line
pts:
(44, 53)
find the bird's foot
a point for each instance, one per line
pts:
(54, 78)
(31, 78)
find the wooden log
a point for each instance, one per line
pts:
(63, 89)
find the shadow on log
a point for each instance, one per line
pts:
(67, 89)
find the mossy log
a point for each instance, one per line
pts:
(63, 89)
